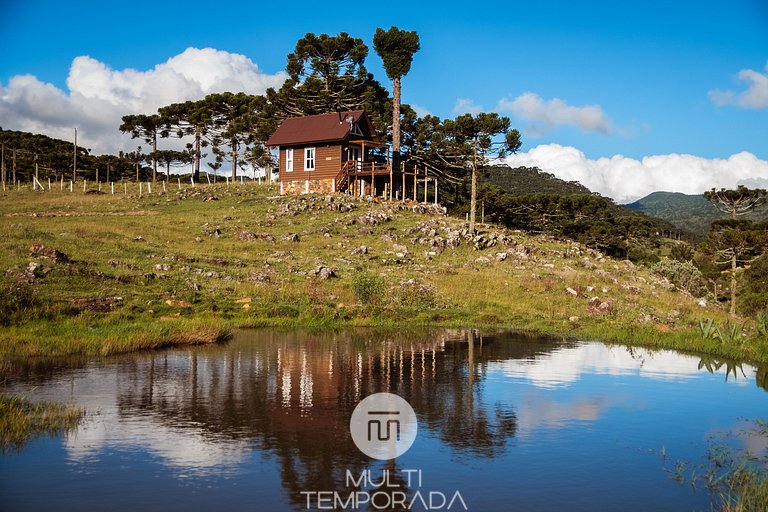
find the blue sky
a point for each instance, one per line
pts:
(634, 79)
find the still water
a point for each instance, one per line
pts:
(505, 422)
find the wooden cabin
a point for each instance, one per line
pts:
(335, 152)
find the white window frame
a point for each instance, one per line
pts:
(289, 160)
(310, 159)
(356, 130)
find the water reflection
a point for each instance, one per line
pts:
(288, 396)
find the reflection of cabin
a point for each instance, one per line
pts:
(336, 152)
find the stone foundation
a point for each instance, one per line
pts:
(316, 186)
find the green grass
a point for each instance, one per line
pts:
(21, 420)
(205, 256)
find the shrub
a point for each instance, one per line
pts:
(411, 294)
(681, 252)
(369, 288)
(753, 296)
(17, 300)
(682, 274)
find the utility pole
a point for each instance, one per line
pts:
(74, 159)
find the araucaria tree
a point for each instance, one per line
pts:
(396, 48)
(466, 144)
(146, 127)
(327, 74)
(736, 242)
(737, 202)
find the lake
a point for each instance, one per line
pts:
(505, 422)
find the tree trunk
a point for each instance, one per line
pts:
(473, 194)
(234, 165)
(168, 170)
(154, 160)
(732, 310)
(396, 122)
(197, 153)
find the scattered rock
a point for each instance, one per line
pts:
(374, 218)
(598, 307)
(163, 267)
(483, 260)
(573, 319)
(401, 251)
(43, 251)
(290, 237)
(501, 256)
(631, 288)
(572, 291)
(259, 277)
(248, 236)
(360, 250)
(211, 230)
(98, 304)
(324, 272)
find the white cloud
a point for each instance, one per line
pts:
(420, 111)
(546, 115)
(99, 96)
(466, 106)
(626, 179)
(756, 95)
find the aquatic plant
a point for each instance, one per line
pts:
(21, 420)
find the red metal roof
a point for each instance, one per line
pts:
(331, 127)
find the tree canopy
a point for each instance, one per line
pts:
(737, 202)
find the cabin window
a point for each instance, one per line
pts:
(289, 160)
(309, 159)
(356, 130)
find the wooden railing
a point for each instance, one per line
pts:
(355, 168)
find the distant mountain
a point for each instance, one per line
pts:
(690, 212)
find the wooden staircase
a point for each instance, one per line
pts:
(342, 179)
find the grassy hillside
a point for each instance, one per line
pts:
(690, 212)
(99, 274)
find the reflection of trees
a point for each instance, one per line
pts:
(761, 378)
(292, 394)
(713, 364)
